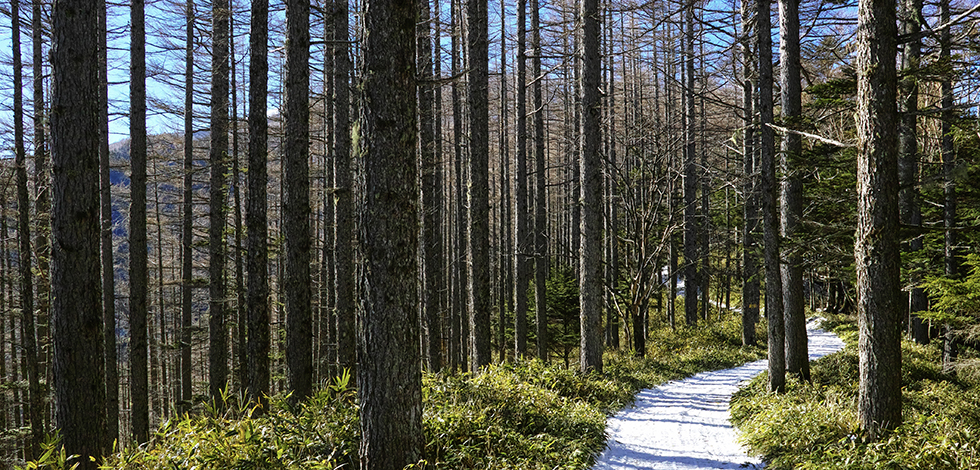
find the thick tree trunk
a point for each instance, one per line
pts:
(389, 379)
(774, 294)
(791, 207)
(187, 222)
(590, 164)
(876, 248)
(296, 204)
(478, 190)
(79, 368)
(256, 217)
(139, 274)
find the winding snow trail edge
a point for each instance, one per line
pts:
(685, 424)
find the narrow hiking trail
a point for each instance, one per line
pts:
(684, 424)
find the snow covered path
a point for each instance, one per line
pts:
(684, 424)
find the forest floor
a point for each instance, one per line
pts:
(685, 424)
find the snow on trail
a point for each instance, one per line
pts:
(684, 424)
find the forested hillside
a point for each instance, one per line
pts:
(211, 199)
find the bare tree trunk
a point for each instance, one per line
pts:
(344, 182)
(951, 256)
(750, 249)
(791, 208)
(296, 204)
(256, 216)
(770, 213)
(691, 276)
(540, 219)
(187, 224)
(478, 190)
(389, 379)
(241, 323)
(590, 162)
(79, 367)
(42, 204)
(138, 264)
(522, 240)
(876, 249)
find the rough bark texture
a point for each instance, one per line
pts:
(299, 313)
(791, 196)
(909, 199)
(478, 189)
(139, 273)
(750, 238)
(951, 258)
(774, 294)
(218, 158)
(876, 251)
(343, 181)
(187, 222)
(522, 241)
(79, 370)
(590, 164)
(389, 376)
(256, 217)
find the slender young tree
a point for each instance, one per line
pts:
(24, 245)
(256, 215)
(767, 194)
(692, 282)
(42, 198)
(79, 370)
(389, 377)
(876, 253)
(478, 189)
(791, 196)
(540, 191)
(299, 314)
(750, 248)
(106, 256)
(344, 182)
(590, 162)
(139, 274)
(523, 242)
(951, 259)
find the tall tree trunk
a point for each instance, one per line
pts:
(187, 222)
(876, 249)
(432, 274)
(389, 378)
(24, 244)
(111, 369)
(522, 240)
(296, 204)
(241, 311)
(459, 323)
(750, 248)
(691, 276)
(540, 219)
(79, 370)
(42, 204)
(770, 213)
(256, 216)
(612, 217)
(478, 189)
(506, 242)
(909, 199)
(344, 182)
(791, 207)
(950, 251)
(139, 274)
(590, 162)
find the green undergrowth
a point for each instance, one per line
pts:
(524, 415)
(815, 426)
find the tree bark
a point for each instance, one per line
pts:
(296, 204)
(478, 189)
(750, 248)
(791, 207)
(256, 216)
(344, 182)
(139, 275)
(541, 191)
(774, 294)
(187, 222)
(590, 162)
(389, 378)
(876, 249)
(79, 370)
(522, 241)
(951, 259)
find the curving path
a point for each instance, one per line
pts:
(684, 424)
